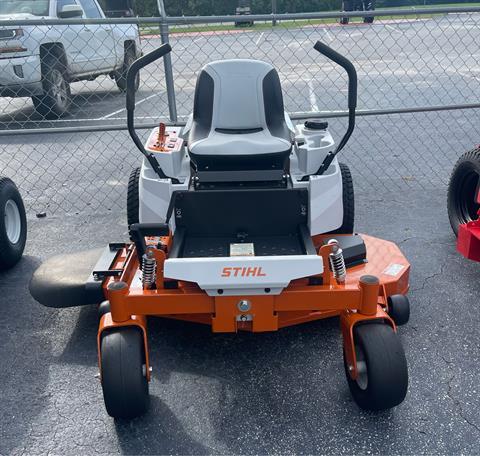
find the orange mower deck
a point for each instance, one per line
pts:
(362, 297)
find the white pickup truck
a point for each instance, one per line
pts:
(40, 61)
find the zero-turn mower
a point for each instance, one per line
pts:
(464, 204)
(244, 222)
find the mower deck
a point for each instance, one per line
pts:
(303, 300)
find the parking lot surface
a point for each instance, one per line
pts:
(282, 392)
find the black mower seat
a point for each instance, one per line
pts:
(61, 280)
(238, 117)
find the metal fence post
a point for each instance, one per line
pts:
(167, 61)
(274, 12)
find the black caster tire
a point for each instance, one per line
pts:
(344, 21)
(13, 224)
(399, 309)
(464, 189)
(133, 199)
(123, 373)
(348, 198)
(103, 308)
(368, 20)
(382, 382)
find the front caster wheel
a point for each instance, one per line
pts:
(123, 373)
(382, 379)
(399, 309)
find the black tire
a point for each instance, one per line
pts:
(103, 308)
(348, 202)
(121, 76)
(57, 97)
(133, 200)
(347, 5)
(462, 190)
(124, 381)
(399, 309)
(383, 383)
(368, 5)
(13, 224)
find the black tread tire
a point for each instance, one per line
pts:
(458, 211)
(10, 254)
(348, 198)
(125, 387)
(387, 369)
(103, 308)
(399, 309)
(47, 104)
(347, 5)
(121, 76)
(133, 199)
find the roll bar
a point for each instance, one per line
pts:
(352, 99)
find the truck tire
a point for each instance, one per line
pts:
(347, 5)
(57, 97)
(13, 224)
(368, 5)
(121, 76)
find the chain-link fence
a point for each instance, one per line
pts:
(63, 118)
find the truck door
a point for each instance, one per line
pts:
(100, 47)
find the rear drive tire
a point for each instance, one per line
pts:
(462, 190)
(13, 224)
(133, 200)
(348, 199)
(57, 97)
(382, 381)
(124, 380)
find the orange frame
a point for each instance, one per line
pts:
(362, 297)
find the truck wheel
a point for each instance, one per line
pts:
(464, 190)
(121, 76)
(369, 5)
(123, 373)
(347, 5)
(56, 98)
(382, 379)
(13, 224)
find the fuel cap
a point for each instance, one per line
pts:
(314, 124)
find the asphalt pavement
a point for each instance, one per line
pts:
(282, 392)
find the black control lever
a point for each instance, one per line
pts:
(135, 67)
(352, 99)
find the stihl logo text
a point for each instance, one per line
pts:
(243, 272)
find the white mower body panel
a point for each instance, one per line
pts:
(238, 276)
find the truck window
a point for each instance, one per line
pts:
(37, 8)
(91, 9)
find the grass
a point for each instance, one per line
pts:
(260, 26)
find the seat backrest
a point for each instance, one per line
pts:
(238, 96)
